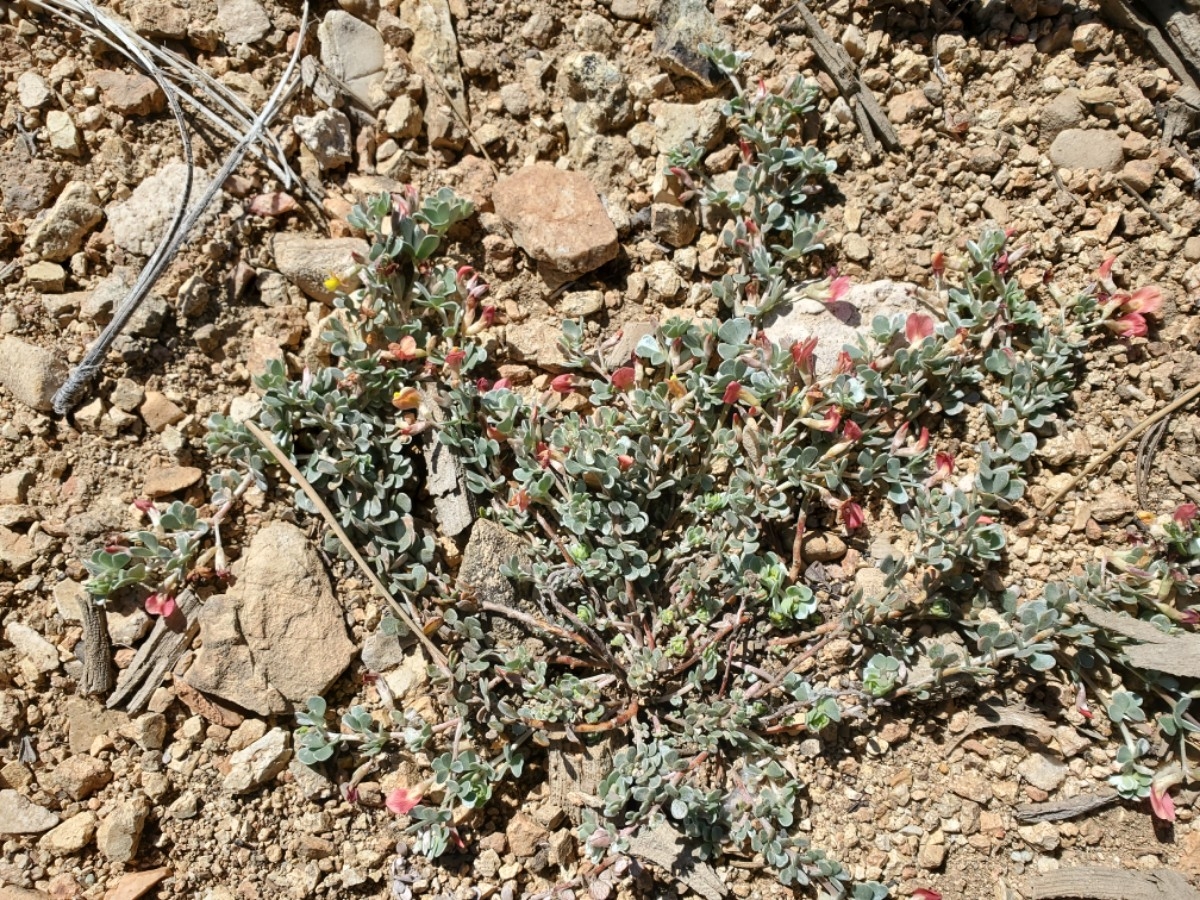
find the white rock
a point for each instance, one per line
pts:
(61, 231)
(30, 373)
(32, 646)
(258, 763)
(242, 21)
(32, 90)
(139, 222)
(64, 136)
(327, 135)
(21, 816)
(353, 52)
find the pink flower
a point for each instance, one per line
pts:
(852, 515)
(519, 500)
(923, 440)
(918, 327)
(1131, 325)
(1105, 268)
(504, 384)
(925, 894)
(833, 419)
(1189, 617)
(1184, 513)
(563, 384)
(160, 605)
(938, 264)
(623, 378)
(624, 462)
(455, 358)
(1145, 300)
(838, 288)
(143, 505)
(803, 353)
(732, 390)
(405, 349)
(1081, 703)
(844, 364)
(1162, 804)
(851, 431)
(402, 800)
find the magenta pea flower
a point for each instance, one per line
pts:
(159, 604)
(918, 327)
(852, 515)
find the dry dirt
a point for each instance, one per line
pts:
(976, 96)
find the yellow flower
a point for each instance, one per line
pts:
(332, 283)
(408, 398)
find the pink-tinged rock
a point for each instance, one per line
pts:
(162, 482)
(273, 204)
(557, 218)
(134, 884)
(128, 93)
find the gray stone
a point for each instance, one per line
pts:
(242, 21)
(680, 27)
(306, 261)
(28, 185)
(579, 304)
(597, 96)
(835, 325)
(327, 135)
(78, 777)
(676, 123)
(64, 136)
(435, 46)
(14, 487)
(1042, 772)
(1087, 148)
(259, 763)
(139, 222)
(32, 646)
(224, 666)
(381, 652)
(311, 783)
(403, 118)
(354, 52)
(16, 551)
(21, 816)
(675, 224)
(1112, 505)
(490, 546)
(1063, 112)
(32, 90)
(61, 231)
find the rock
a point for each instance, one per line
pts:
(435, 46)
(259, 763)
(626, 10)
(61, 231)
(1043, 772)
(280, 626)
(408, 681)
(1091, 37)
(381, 652)
(1043, 835)
(148, 731)
(854, 42)
(16, 550)
(931, 856)
(403, 118)
(32, 646)
(78, 776)
(580, 304)
(1087, 148)
(128, 93)
(490, 546)
(132, 885)
(46, 277)
(64, 136)
(87, 720)
(838, 324)
(21, 816)
(1112, 505)
(680, 27)
(539, 29)
(676, 123)
(27, 185)
(159, 18)
(139, 222)
(242, 21)
(907, 106)
(675, 224)
(557, 218)
(1063, 112)
(71, 836)
(306, 262)
(327, 135)
(31, 374)
(535, 341)
(823, 546)
(120, 831)
(186, 806)
(597, 97)
(159, 413)
(32, 90)
(353, 52)
(14, 487)
(246, 734)
(1139, 174)
(18, 893)
(311, 783)
(524, 835)
(163, 482)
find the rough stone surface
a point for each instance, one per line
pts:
(32, 646)
(1112, 505)
(31, 374)
(242, 21)
(61, 231)
(78, 776)
(327, 135)
(139, 222)
(129, 93)
(159, 412)
(1042, 771)
(676, 123)
(596, 96)
(490, 546)
(1063, 112)
(557, 218)
(353, 52)
(524, 835)
(280, 626)
(21, 816)
(680, 27)
(435, 47)
(120, 831)
(166, 481)
(837, 324)
(1087, 148)
(64, 136)
(27, 185)
(258, 763)
(32, 90)
(71, 836)
(307, 261)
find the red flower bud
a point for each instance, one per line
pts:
(563, 384)
(623, 378)
(852, 515)
(624, 462)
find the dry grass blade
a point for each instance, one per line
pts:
(69, 394)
